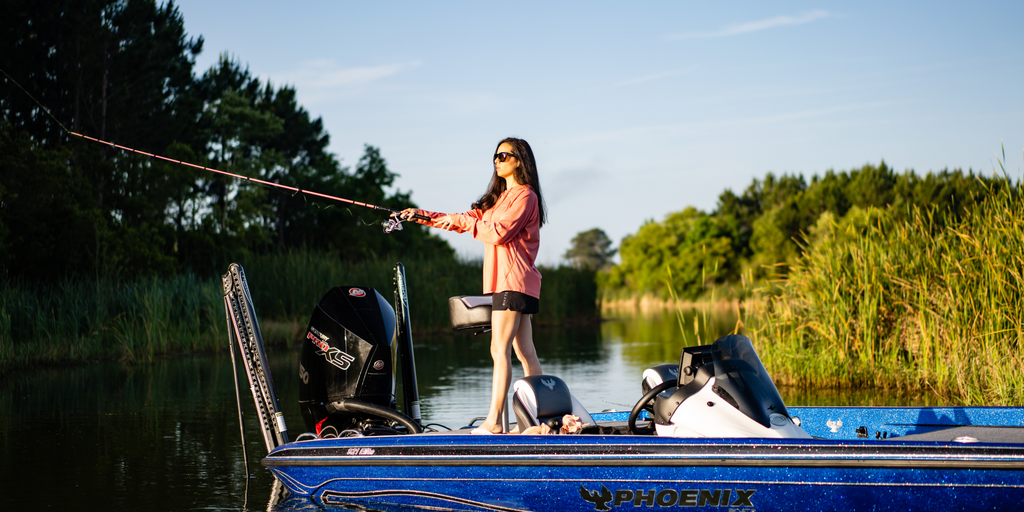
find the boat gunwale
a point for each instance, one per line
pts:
(668, 452)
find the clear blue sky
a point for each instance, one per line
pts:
(635, 110)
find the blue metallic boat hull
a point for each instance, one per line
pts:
(840, 469)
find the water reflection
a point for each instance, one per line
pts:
(454, 371)
(660, 337)
(165, 437)
(160, 437)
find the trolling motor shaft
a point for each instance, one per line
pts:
(244, 334)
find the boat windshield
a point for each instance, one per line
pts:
(741, 380)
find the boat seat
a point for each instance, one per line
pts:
(545, 399)
(470, 313)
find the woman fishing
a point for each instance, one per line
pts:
(507, 219)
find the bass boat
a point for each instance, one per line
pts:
(710, 432)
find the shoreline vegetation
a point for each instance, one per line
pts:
(914, 301)
(652, 305)
(138, 321)
(915, 305)
(909, 302)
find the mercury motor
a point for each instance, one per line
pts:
(346, 369)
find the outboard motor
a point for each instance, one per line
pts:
(346, 371)
(723, 390)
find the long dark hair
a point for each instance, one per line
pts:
(525, 174)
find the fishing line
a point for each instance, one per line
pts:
(394, 223)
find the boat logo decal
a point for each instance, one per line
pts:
(834, 425)
(303, 374)
(378, 364)
(313, 330)
(356, 292)
(331, 354)
(337, 358)
(360, 451)
(735, 499)
(549, 383)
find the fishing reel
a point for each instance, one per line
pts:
(392, 224)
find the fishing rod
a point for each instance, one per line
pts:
(393, 223)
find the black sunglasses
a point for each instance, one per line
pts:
(501, 157)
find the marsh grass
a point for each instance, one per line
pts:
(83, 320)
(137, 321)
(287, 287)
(908, 306)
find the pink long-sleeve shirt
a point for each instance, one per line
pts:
(510, 231)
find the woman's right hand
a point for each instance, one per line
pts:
(408, 213)
(444, 222)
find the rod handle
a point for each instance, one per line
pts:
(417, 216)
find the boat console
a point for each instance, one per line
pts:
(722, 390)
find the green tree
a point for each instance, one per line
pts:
(122, 71)
(591, 249)
(107, 69)
(283, 144)
(768, 227)
(687, 251)
(45, 210)
(360, 228)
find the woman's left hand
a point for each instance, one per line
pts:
(445, 222)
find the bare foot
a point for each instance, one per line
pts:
(492, 428)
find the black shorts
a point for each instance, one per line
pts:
(515, 301)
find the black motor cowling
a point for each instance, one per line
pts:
(347, 356)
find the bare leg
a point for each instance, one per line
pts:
(504, 326)
(525, 350)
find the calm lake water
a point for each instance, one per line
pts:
(164, 436)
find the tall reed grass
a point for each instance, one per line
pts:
(80, 320)
(908, 306)
(287, 287)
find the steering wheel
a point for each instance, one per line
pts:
(645, 405)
